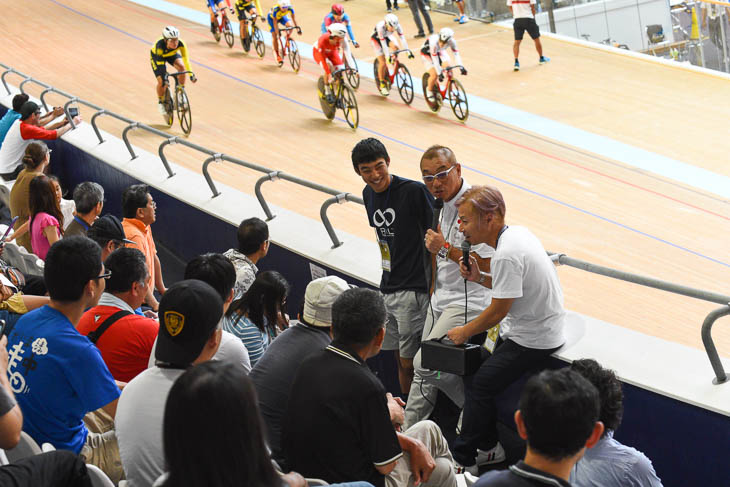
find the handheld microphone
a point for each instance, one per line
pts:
(438, 205)
(465, 249)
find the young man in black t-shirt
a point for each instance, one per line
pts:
(400, 210)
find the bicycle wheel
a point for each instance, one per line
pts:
(435, 106)
(183, 112)
(353, 77)
(294, 58)
(246, 41)
(258, 39)
(327, 109)
(216, 31)
(404, 82)
(228, 32)
(349, 106)
(169, 107)
(457, 99)
(376, 64)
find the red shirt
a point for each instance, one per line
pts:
(28, 131)
(327, 48)
(126, 345)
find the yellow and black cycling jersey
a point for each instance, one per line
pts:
(161, 54)
(246, 4)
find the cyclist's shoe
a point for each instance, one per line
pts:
(162, 110)
(279, 61)
(463, 19)
(544, 59)
(384, 89)
(517, 65)
(213, 28)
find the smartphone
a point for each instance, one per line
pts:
(73, 112)
(7, 232)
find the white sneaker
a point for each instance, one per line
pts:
(465, 479)
(461, 470)
(495, 455)
(161, 109)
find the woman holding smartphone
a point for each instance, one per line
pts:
(46, 220)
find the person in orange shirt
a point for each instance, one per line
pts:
(138, 210)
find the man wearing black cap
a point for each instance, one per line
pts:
(22, 133)
(108, 232)
(189, 314)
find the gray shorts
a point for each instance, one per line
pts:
(406, 316)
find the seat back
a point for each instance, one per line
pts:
(26, 447)
(98, 477)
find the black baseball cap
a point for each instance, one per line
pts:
(108, 227)
(27, 109)
(190, 311)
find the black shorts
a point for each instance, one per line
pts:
(243, 11)
(159, 68)
(526, 24)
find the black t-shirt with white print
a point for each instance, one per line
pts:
(401, 215)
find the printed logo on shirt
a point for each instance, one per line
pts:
(174, 322)
(17, 360)
(386, 217)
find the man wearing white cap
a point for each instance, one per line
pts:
(274, 373)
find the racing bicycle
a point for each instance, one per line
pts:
(253, 34)
(399, 74)
(450, 89)
(223, 25)
(288, 48)
(344, 98)
(179, 104)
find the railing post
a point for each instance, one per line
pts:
(2, 77)
(272, 176)
(65, 110)
(43, 98)
(209, 180)
(20, 86)
(339, 199)
(720, 375)
(163, 158)
(93, 125)
(125, 137)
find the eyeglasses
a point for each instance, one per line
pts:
(439, 175)
(153, 205)
(106, 275)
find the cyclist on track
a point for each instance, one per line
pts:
(385, 34)
(435, 57)
(216, 9)
(169, 49)
(278, 15)
(328, 47)
(338, 16)
(246, 9)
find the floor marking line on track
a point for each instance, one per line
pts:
(420, 150)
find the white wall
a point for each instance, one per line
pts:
(624, 21)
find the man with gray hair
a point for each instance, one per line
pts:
(527, 302)
(89, 199)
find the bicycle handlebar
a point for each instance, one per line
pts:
(449, 68)
(400, 50)
(285, 29)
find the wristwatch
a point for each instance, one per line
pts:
(444, 251)
(483, 277)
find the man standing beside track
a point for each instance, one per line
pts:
(400, 210)
(523, 12)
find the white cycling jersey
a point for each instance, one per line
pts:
(381, 33)
(435, 50)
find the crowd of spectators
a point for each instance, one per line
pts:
(209, 382)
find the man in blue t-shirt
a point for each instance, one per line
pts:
(401, 211)
(58, 375)
(11, 115)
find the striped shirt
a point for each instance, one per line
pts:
(255, 341)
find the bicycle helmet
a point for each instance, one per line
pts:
(337, 30)
(446, 34)
(391, 20)
(338, 9)
(284, 4)
(170, 32)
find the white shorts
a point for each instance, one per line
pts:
(428, 62)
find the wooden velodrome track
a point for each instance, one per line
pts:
(583, 205)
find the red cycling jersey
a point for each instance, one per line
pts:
(324, 50)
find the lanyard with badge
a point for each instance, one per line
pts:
(493, 333)
(385, 257)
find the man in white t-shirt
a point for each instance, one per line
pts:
(189, 313)
(527, 301)
(450, 307)
(523, 12)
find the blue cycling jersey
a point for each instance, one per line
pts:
(214, 3)
(330, 19)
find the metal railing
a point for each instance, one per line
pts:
(212, 156)
(709, 343)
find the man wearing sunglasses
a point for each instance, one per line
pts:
(450, 306)
(58, 376)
